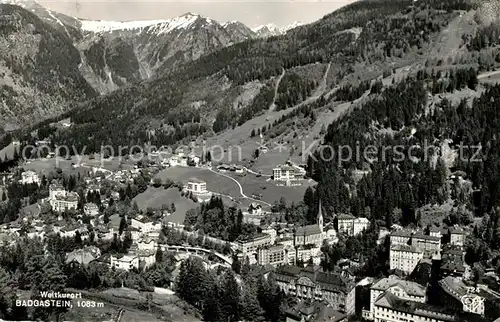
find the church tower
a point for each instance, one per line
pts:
(320, 216)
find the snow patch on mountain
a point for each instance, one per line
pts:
(157, 26)
(98, 26)
(21, 3)
(272, 29)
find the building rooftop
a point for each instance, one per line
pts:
(391, 301)
(405, 248)
(454, 286)
(411, 288)
(401, 233)
(71, 197)
(434, 229)
(284, 167)
(345, 217)
(329, 281)
(308, 230)
(317, 311)
(457, 230)
(253, 238)
(195, 180)
(56, 186)
(421, 235)
(362, 220)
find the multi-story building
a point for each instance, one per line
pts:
(310, 283)
(271, 232)
(306, 253)
(400, 237)
(456, 295)
(349, 225)
(435, 232)
(64, 202)
(404, 257)
(251, 244)
(28, 177)
(403, 289)
(314, 312)
(391, 308)
(360, 225)
(287, 173)
(387, 292)
(90, 209)
(452, 261)
(430, 245)
(147, 258)
(144, 225)
(345, 224)
(271, 255)
(196, 186)
(457, 236)
(56, 189)
(125, 262)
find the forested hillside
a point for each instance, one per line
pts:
(38, 68)
(199, 97)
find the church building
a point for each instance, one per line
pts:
(311, 234)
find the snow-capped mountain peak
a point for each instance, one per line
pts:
(160, 26)
(272, 29)
(293, 25)
(20, 3)
(107, 26)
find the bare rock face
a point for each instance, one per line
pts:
(120, 53)
(38, 69)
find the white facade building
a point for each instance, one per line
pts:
(250, 245)
(386, 293)
(404, 258)
(28, 177)
(145, 226)
(56, 189)
(351, 226)
(197, 186)
(90, 209)
(360, 225)
(68, 201)
(457, 236)
(125, 262)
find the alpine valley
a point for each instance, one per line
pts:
(49, 61)
(342, 170)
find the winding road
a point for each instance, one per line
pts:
(240, 187)
(276, 87)
(488, 74)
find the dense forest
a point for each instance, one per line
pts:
(216, 220)
(395, 180)
(292, 90)
(221, 297)
(155, 110)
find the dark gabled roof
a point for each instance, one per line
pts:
(420, 235)
(345, 217)
(329, 281)
(401, 233)
(457, 230)
(308, 230)
(391, 301)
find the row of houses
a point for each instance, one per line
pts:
(298, 243)
(408, 248)
(396, 300)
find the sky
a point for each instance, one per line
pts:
(251, 13)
